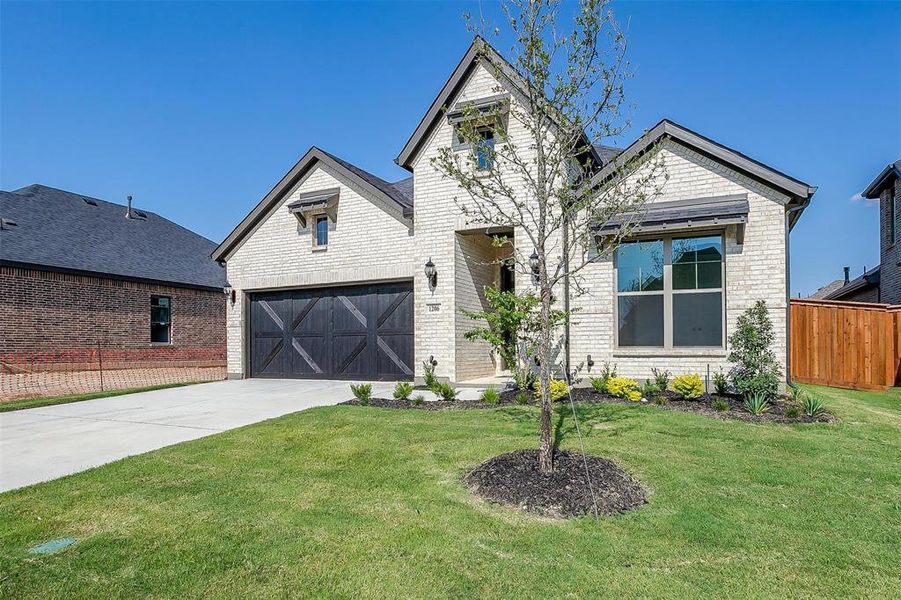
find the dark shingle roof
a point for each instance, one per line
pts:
(64, 230)
(607, 153)
(825, 291)
(377, 182)
(405, 187)
(869, 278)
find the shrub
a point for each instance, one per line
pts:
(608, 371)
(490, 396)
(661, 377)
(793, 411)
(813, 406)
(623, 387)
(559, 389)
(362, 392)
(720, 405)
(428, 374)
(417, 399)
(445, 391)
(795, 393)
(689, 386)
(757, 403)
(599, 384)
(661, 400)
(756, 368)
(649, 390)
(402, 390)
(720, 383)
(524, 378)
(522, 398)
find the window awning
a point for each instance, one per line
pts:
(697, 213)
(467, 109)
(320, 201)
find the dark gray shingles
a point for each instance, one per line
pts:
(405, 187)
(59, 229)
(377, 182)
(607, 153)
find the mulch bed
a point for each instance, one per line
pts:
(582, 395)
(513, 480)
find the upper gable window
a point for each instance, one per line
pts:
(484, 149)
(321, 237)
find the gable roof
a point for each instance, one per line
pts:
(888, 175)
(393, 196)
(868, 279)
(824, 292)
(796, 189)
(479, 49)
(64, 231)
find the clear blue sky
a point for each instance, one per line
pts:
(198, 109)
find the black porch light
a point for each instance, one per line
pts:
(431, 273)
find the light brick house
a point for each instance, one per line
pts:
(329, 269)
(881, 284)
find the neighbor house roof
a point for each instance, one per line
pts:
(888, 175)
(824, 292)
(797, 190)
(63, 231)
(869, 278)
(397, 196)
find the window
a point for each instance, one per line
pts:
(890, 225)
(160, 319)
(321, 232)
(670, 292)
(484, 149)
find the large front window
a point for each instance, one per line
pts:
(670, 292)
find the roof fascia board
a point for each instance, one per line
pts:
(101, 275)
(875, 188)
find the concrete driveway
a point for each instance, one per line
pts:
(39, 444)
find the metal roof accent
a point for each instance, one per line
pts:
(682, 214)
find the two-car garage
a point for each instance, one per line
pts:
(358, 332)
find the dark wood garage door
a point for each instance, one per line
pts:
(361, 332)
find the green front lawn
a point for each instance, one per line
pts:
(353, 501)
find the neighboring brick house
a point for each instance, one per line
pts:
(340, 274)
(77, 273)
(881, 284)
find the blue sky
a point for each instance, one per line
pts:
(198, 109)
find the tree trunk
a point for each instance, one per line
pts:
(546, 445)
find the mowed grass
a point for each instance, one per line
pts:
(360, 502)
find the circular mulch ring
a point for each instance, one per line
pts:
(513, 479)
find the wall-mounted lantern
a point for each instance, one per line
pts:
(431, 274)
(533, 263)
(229, 292)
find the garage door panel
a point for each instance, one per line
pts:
(363, 332)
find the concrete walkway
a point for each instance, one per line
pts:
(40, 444)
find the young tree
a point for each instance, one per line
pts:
(533, 153)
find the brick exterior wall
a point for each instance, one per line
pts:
(890, 254)
(60, 316)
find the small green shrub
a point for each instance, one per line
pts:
(813, 406)
(559, 389)
(362, 392)
(402, 390)
(608, 371)
(757, 403)
(623, 387)
(793, 411)
(661, 400)
(661, 377)
(795, 393)
(428, 374)
(756, 369)
(689, 386)
(720, 383)
(720, 405)
(599, 384)
(490, 396)
(445, 391)
(522, 398)
(524, 378)
(417, 399)
(649, 390)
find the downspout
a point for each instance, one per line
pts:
(788, 341)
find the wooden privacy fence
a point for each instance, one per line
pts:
(845, 344)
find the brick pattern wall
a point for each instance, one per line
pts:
(475, 268)
(47, 312)
(890, 254)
